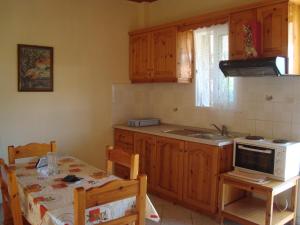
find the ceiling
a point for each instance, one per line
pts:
(142, 0)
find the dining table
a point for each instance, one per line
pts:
(48, 200)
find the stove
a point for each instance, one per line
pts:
(261, 141)
(277, 159)
(281, 141)
(255, 138)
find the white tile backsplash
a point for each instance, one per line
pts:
(250, 112)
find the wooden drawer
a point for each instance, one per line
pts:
(123, 136)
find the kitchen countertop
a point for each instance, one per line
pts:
(160, 130)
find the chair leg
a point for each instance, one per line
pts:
(7, 217)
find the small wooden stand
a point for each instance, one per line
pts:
(249, 210)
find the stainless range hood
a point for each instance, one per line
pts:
(257, 67)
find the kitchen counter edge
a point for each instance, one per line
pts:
(158, 131)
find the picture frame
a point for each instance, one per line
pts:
(35, 68)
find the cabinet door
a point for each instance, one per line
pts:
(201, 176)
(274, 22)
(237, 34)
(164, 55)
(144, 145)
(169, 167)
(139, 57)
(123, 140)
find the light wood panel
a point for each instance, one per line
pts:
(164, 55)
(169, 167)
(30, 150)
(140, 58)
(120, 157)
(201, 176)
(109, 192)
(252, 209)
(237, 34)
(145, 145)
(123, 139)
(274, 23)
(10, 196)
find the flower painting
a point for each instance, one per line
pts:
(35, 68)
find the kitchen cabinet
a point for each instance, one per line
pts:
(145, 146)
(155, 56)
(124, 140)
(184, 172)
(164, 55)
(274, 25)
(237, 34)
(280, 32)
(201, 176)
(169, 167)
(140, 62)
(273, 20)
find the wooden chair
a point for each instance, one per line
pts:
(119, 156)
(109, 192)
(29, 150)
(10, 196)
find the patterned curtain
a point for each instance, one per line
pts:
(185, 55)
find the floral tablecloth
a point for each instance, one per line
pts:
(47, 200)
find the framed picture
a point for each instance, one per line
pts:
(35, 68)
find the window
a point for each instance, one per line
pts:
(211, 46)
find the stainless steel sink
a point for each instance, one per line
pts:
(185, 132)
(199, 133)
(211, 136)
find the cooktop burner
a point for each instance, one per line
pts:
(256, 138)
(280, 141)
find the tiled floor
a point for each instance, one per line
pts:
(172, 214)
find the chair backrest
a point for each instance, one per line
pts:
(119, 156)
(110, 192)
(29, 150)
(10, 195)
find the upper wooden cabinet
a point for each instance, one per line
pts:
(164, 55)
(237, 35)
(140, 63)
(280, 32)
(274, 25)
(156, 56)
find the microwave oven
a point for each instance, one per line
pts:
(277, 161)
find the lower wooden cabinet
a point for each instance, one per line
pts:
(145, 146)
(185, 172)
(123, 140)
(200, 183)
(169, 164)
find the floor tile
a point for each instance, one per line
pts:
(172, 214)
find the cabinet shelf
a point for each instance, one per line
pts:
(253, 210)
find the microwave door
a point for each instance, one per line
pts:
(255, 158)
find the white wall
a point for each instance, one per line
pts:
(90, 40)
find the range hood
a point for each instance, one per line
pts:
(257, 67)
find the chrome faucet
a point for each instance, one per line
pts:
(223, 130)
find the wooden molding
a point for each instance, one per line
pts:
(208, 18)
(140, 1)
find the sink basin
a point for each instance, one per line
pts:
(211, 136)
(201, 133)
(185, 132)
